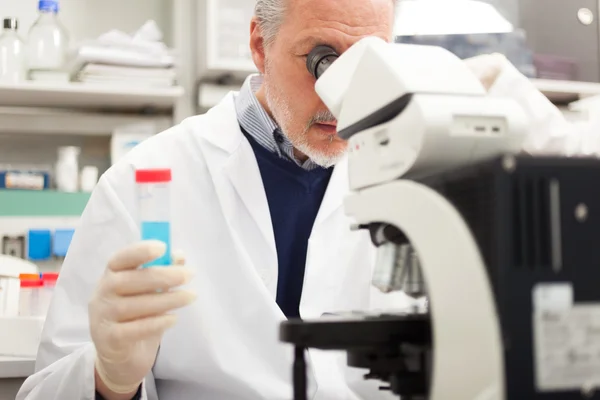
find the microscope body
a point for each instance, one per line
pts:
(416, 119)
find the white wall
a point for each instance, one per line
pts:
(508, 8)
(89, 18)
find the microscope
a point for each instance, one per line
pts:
(504, 246)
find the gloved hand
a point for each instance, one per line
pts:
(128, 314)
(487, 67)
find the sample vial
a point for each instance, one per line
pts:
(153, 189)
(49, 281)
(29, 297)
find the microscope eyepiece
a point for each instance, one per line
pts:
(319, 59)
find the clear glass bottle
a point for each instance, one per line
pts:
(48, 44)
(12, 53)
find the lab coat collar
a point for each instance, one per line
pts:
(238, 166)
(226, 134)
(224, 130)
(241, 167)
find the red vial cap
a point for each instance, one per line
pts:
(32, 283)
(50, 277)
(152, 175)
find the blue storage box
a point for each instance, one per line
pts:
(62, 241)
(39, 245)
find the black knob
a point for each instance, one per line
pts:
(319, 59)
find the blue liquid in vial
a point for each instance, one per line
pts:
(158, 231)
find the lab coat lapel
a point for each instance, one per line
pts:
(243, 172)
(239, 185)
(325, 246)
(336, 192)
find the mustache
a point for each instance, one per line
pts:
(322, 117)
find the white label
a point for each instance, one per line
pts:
(552, 297)
(18, 180)
(566, 340)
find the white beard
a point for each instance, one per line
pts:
(282, 113)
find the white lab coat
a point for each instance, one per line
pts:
(226, 345)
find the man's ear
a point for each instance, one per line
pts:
(257, 45)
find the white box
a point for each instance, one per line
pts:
(20, 336)
(9, 296)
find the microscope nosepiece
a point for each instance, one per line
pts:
(319, 59)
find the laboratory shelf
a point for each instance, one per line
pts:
(16, 367)
(75, 95)
(23, 120)
(44, 203)
(566, 91)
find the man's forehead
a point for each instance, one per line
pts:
(338, 23)
(349, 12)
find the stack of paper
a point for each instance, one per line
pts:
(141, 59)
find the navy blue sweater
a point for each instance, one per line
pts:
(294, 196)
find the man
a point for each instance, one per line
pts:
(257, 213)
(257, 191)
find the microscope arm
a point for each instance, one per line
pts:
(466, 333)
(341, 73)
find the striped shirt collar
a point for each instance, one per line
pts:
(257, 122)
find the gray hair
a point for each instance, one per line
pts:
(270, 15)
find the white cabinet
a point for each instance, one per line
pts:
(224, 38)
(228, 35)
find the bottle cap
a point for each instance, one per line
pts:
(50, 277)
(29, 277)
(153, 175)
(69, 152)
(11, 23)
(48, 5)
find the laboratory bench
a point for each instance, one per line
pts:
(13, 372)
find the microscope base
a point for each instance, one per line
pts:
(394, 348)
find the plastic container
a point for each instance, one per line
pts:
(12, 53)
(48, 44)
(30, 297)
(49, 279)
(154, 205)
(88, 178)
(49, 282)
(67, 169)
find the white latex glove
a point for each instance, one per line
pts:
(550, 134)
(128, 314)
(487, 67)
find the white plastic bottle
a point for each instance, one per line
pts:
(48, 45)
(67, 169)
(12, 53)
